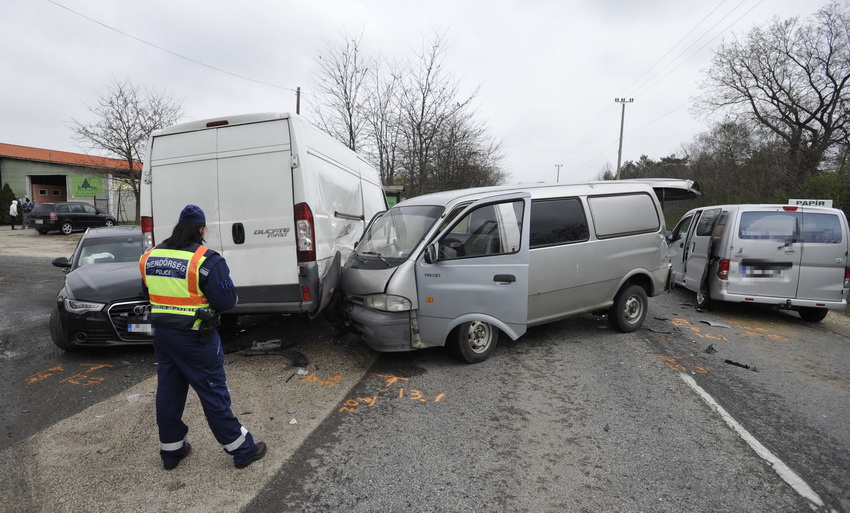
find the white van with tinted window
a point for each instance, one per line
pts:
(284, 203)
(458, 268)
(789, 256)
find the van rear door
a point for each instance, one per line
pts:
(241, 176)
(824, 255)
(256, 228)
(482, 272)
(767, 252)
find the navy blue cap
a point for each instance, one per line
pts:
(192, 214)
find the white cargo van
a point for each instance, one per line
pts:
(284, 203)
(457, 268)
(788, 256)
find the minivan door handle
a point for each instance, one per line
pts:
(504, 278)
(238, 233)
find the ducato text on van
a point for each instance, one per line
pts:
(458, 268)
(284, 202)
(788, 256)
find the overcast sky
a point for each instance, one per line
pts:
(548, 70)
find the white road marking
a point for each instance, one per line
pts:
(784, 471)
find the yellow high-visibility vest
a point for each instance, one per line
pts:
(172, 277)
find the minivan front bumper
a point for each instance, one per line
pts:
(382, 331)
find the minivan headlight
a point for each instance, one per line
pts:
(387, 303)
(79, 307)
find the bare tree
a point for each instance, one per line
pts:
(792, 79)
(383, 120)
(341, 86)
(410, 118)
(125, 118)
(430, 99)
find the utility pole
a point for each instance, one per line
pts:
(624, 101)
(298, 101)
(559, 166)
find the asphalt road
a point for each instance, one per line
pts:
(571, 417)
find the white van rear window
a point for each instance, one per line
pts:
(797, 226)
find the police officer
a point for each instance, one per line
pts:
(184, 279)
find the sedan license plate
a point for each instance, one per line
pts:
(39, 221)
(140, 328)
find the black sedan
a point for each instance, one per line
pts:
(102, 302)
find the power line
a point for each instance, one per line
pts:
(169, 51)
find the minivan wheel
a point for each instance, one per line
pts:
(58, 334)
(629, 309)
(812, 314)
(704, 297)
(475, 341)
(66, 228)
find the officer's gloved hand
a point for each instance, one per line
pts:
(209, 322)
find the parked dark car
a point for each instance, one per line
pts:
(68, 216)
(102, 302)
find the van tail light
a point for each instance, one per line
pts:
(304, 235)
(723, 269)
(147, 232)
(847, 277)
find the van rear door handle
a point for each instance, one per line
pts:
(238, 233)
(504, 278)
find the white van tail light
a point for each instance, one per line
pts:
(304, 235)
(147, 232)
(847, 277)
(723, 269)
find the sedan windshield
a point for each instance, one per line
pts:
(394, 236)
(109, 249)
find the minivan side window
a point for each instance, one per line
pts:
(557, 221)
(485, 231)
(623, 214)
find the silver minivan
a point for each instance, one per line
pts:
(789, 256)
(457, 268)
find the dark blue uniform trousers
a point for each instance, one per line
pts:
(183, 360)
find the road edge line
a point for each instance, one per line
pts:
(789, 476)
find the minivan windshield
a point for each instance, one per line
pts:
(393, 237)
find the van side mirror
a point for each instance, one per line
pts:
(431, 253)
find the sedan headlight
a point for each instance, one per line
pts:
(79, 307)
(387, 303)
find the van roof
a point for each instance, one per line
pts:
(238, 119)
(663, 187)
(769, 206)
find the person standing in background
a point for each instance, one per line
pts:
(26, 207)
(13, 212)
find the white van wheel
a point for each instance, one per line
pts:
(629, 309)
(475, 341)
(812, 314)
